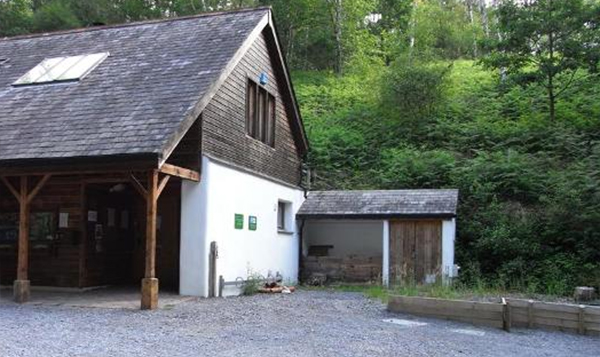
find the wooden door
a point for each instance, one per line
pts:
(415, 251)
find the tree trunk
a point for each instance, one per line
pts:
(470, 6)
(551, 95)
(551, 98)
(337, 25)
(484, 18)
(413, 25)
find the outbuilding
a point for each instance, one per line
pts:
(385, 235)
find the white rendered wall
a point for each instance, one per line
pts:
(385, 267)
(228, 191)
(194, 250)
(448, 238)
(347, 237)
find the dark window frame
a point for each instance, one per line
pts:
(282, 208)
(261, 113)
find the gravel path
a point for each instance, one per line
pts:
(306, 323)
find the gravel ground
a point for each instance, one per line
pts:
(306, 323)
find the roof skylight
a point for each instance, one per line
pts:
(62, 69)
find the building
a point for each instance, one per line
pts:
(126, 151)
(379, 236)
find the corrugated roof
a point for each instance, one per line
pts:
(389, 203)
(133, 103)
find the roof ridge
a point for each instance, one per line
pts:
(133, 24)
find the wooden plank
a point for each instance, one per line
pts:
(555, 322)
(447, 304)
(162, 185)
(180, 172)
(573, 309)
(473, 313)
(138, 186)
(38, 187)
(592, 310)
(486, 314)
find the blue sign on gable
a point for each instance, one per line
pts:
(264, 78)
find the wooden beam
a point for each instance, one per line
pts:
(150, 283)
(138, 186)
(38, 187)
(11, 188)
(151, 203)
(21, 286)
(180, 172)
(22, 267)
(162, 185)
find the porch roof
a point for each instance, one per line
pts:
(380, 204)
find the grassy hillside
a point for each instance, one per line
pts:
(529, 188)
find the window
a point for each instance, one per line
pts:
(62, 69)
(260, 113)
(283, 216)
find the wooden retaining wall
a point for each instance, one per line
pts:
(477, 313)
(584, 320)
(581, 319)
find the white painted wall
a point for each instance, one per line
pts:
(347, 237)
(194, 250)
(448, 242)
(225, 191)
(385, 268)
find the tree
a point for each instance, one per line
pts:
(547, 42)
(55, 15)
(15, 17)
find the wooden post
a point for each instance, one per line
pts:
(530, 314)
(581, 320)
(150, 282)
(506, 318)
(21, 287)
(221, 285)
(212, 269)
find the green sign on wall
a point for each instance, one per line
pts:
(252, 220)
(239, 221)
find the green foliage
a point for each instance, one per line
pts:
(55, 15)
(415, 88)
(15, 17)
(440, 28)
(412, 167)
(546, 41)
(254, 281)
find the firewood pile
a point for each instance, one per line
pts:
(276, 286)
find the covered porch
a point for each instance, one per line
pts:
(91, 225)
(118, 297)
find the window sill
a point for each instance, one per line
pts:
(269, 146)
(283, 231)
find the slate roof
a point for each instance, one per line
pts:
(133, 103)
(382, 203)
